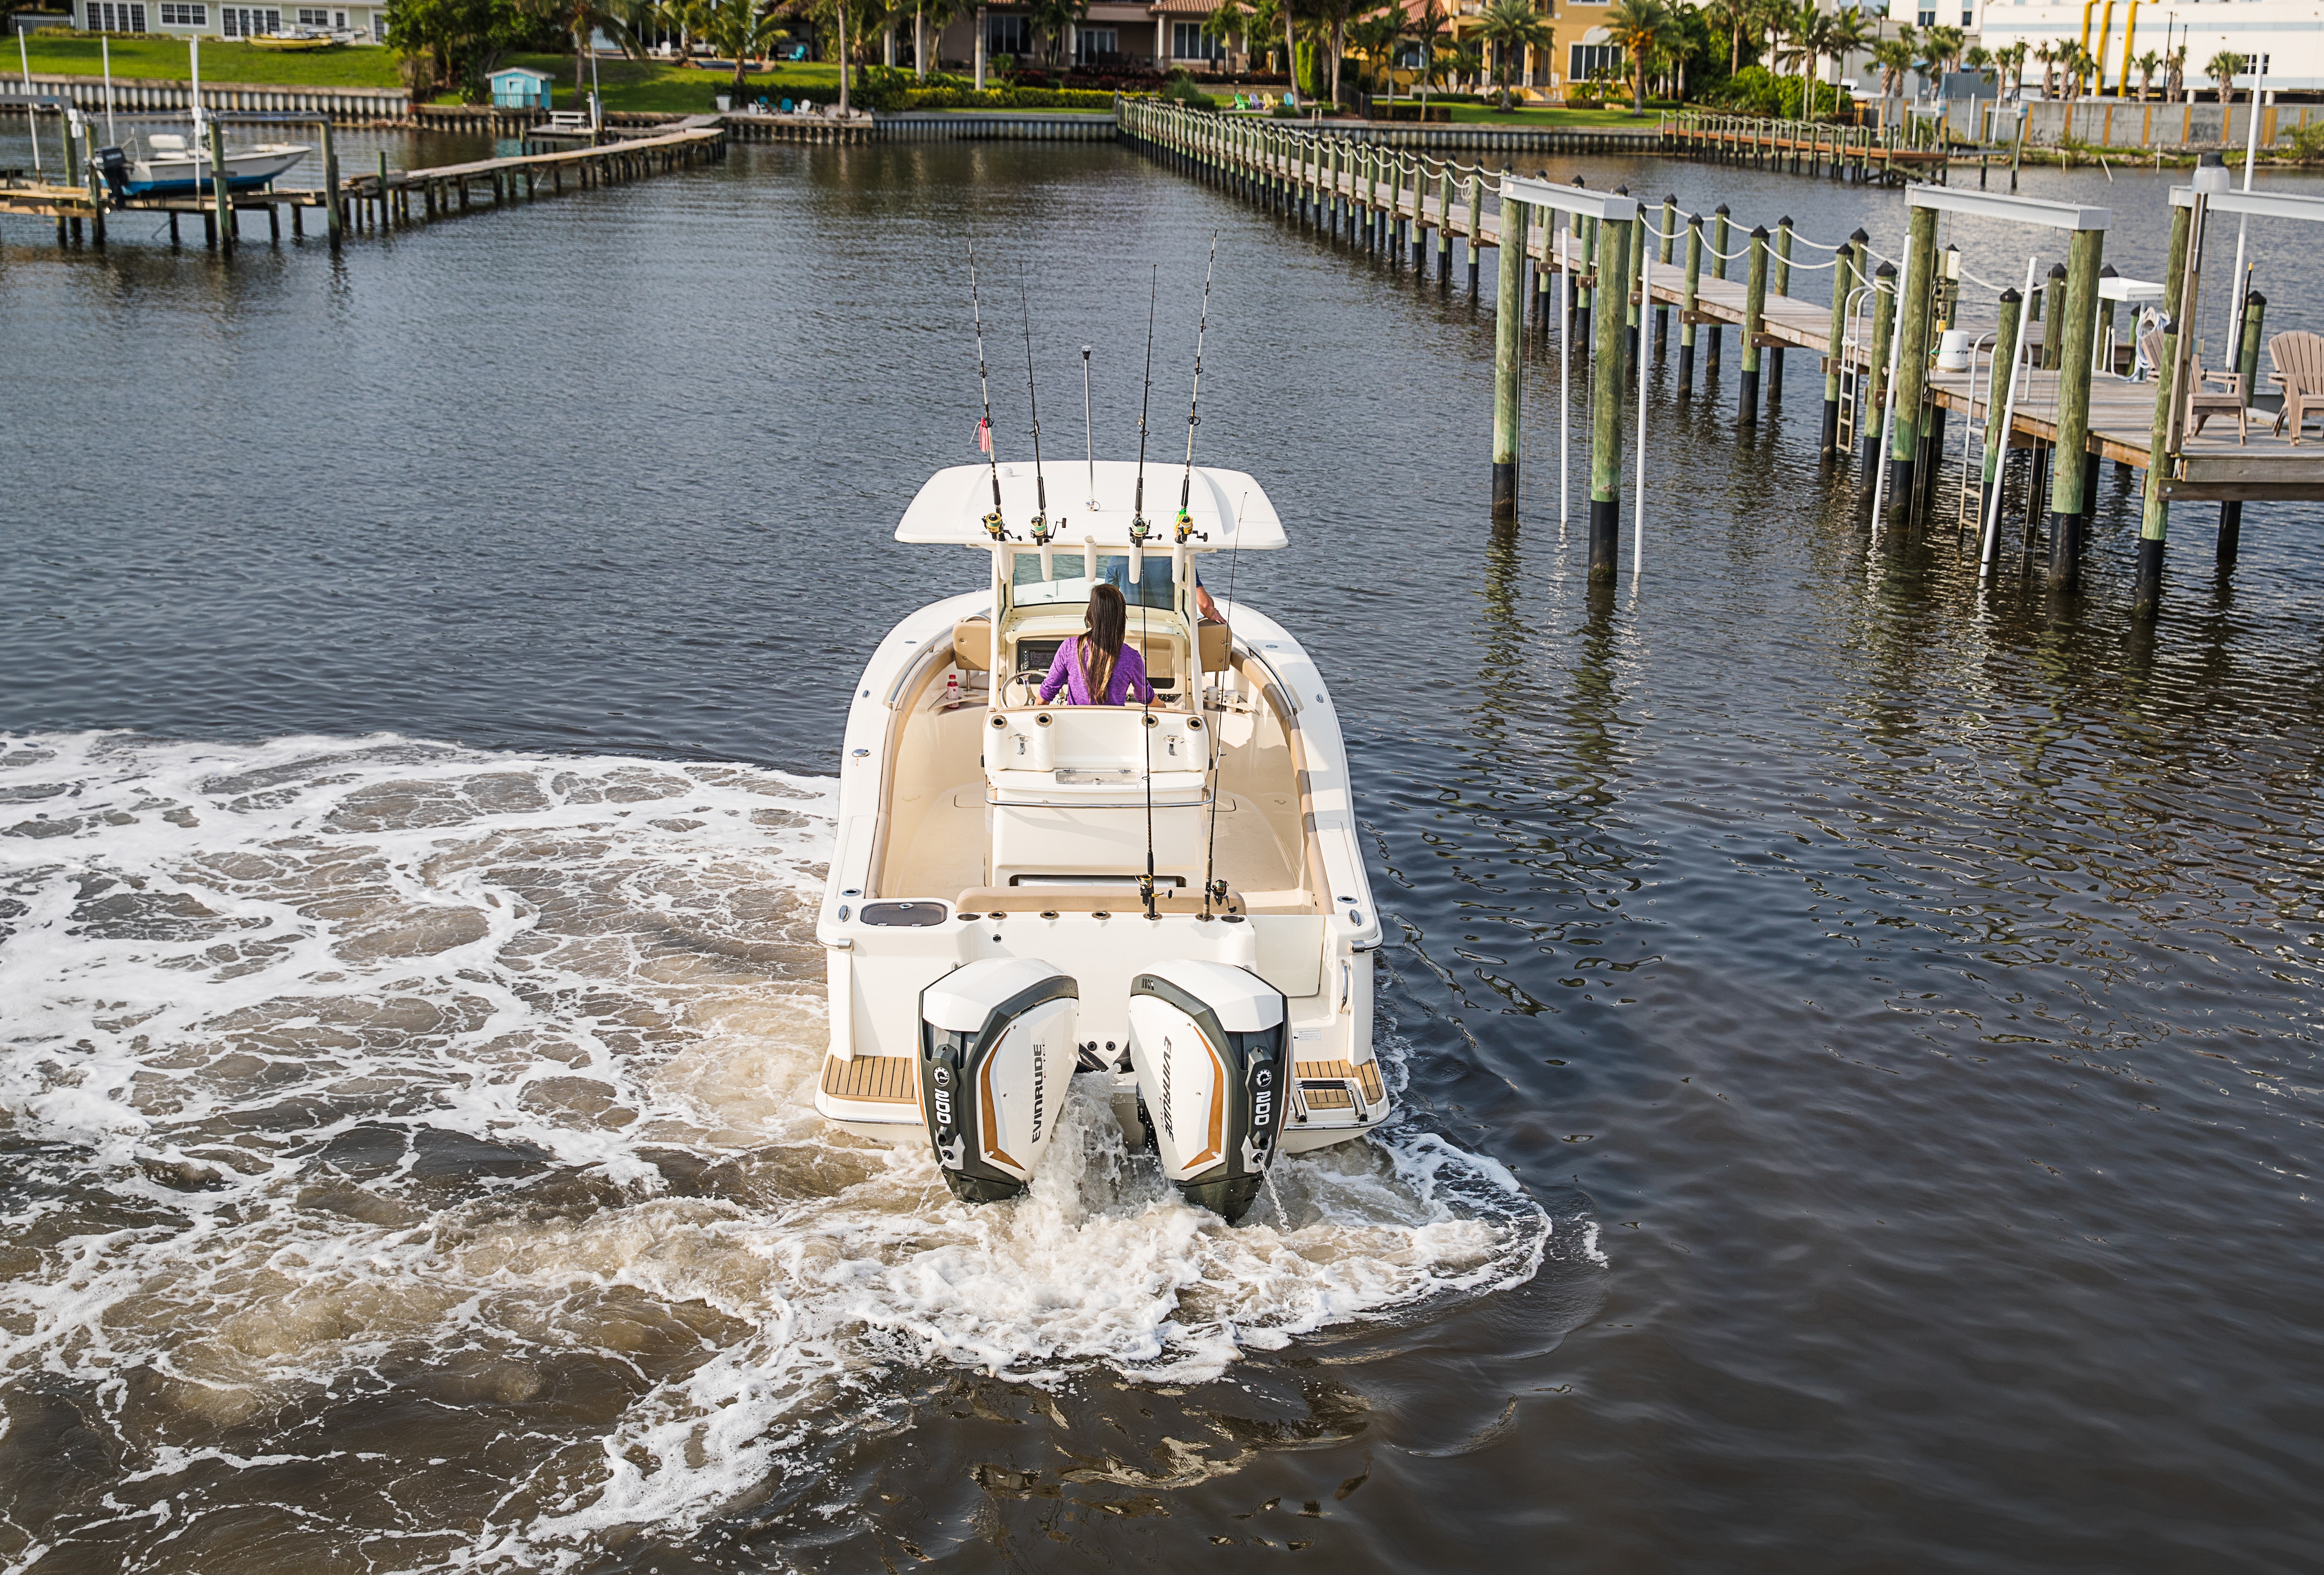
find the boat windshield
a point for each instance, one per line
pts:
(1072, 585)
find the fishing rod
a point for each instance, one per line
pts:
(1089, 433)
(1213, 888)
(1040, 487)
(1137, 527)
(993, 525)
(1195, 404)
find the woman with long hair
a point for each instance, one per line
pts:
(1096, 668)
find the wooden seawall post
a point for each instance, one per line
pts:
(1444, 228)
(1508, 307)
(1662, 309)
(1912, 362)
(2053, 306)
(334, 218)
(1719, 230)
(1755, 312)
(2154, 521)
(1606, 415)
(1884, 325)
(2068, 494)
(1780, 276)
(1845, 275)
(2231, 511)
(220, 195)
(2006, 341)
(1689, 300)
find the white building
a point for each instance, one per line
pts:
(184, 18)
(2286, 35)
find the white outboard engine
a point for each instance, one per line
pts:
(1208, 1043)
(996, 1057)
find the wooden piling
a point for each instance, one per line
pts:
(1755, 313)
(1509, 311)
(334, 218)
(1884, 324)
(2154, 520)
(1719, 229)
(1912, 363)
(1605, 416)
(1847, 275)
(219, 192)
(2069, 496)
(2053, 306)
(1689, 301)
(1780, 281)
(2006, 340)
(1669, 239)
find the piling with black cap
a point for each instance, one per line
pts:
(1510, 311)
(1847, 275)
(1719, 228)
(1755, 308)
(1669, 238)
(2054, 307)
(2005, 362)
(2070, 483)
(1779, 279)
(1688, 298)
(1606, 414)
(2154, 520)
(1884, 324)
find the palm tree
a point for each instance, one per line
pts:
(1642, 29)
(1511, 26)
(1943, 46)
(1730, 15)
(2174, 81)
(579, 19)
(1375, 37)
(741, 29)
(2012, 62)
(1229, 19)
(1054, 20)
(2148, 64)
(2048, 56)
(1429, 32)
(2222, 69)
(1895, 58)
(1263, 22)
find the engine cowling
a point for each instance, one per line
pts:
(997, 1058)
(1208, 1042)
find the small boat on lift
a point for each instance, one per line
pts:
(171, 164)
(1169, 894)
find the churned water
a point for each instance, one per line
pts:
(1856, 1032)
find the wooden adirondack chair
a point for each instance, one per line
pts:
(2204, 401)
(2298, 359)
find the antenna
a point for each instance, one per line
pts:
(1040, 487)
(1137, 526)
(1195, 404)
(1089, 433)
(993, 526)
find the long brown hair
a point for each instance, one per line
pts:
(1101, 644)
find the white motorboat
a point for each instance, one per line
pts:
(990, 922)
(170, 164)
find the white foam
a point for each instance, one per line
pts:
(228, 956)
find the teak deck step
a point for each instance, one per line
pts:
(879, 1079)
(1364, 1074)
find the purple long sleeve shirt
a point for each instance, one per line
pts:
(1066, 673)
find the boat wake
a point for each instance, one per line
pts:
(425, 1134)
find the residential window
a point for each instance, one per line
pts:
(1094, 42)
(248, 22)
(1584, 60)
(379, 27)
(307, 18)
(185, 16)
(1006, 35)
(104, 16)
(1968, 17)
(1191, 40)
(1928, 19)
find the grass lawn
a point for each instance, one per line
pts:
(1548, 119)
(632, 84)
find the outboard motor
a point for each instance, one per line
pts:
(997, 1058)
(1208, 1042)
(114, 165)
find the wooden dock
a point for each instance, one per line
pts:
(384, 199)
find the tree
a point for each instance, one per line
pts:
(1375, 37)
(2012, 62)
(1943, 46)
(1511, 27)
(1730, 16)
(741, 30)
(1053, 20)
(1642, 30)
(2174, 83)
(578, 20)
(1893, 56)
(2048, 57)
(2222, 69)
(2148, 64)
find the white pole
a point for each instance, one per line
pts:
(1638, 513)
(32, 124)
(1992, 532)
(106, 44)
(201, 164)
(1089, 434)
(1888, 410)
(1565, 378)
(2243, 224)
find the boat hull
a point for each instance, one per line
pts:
(244, 170)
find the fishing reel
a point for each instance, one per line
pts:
(1146, 895)
(995, 526)
(1138, 528)
(1186, 528)
(1039, 527)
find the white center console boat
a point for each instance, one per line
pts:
(991, 925)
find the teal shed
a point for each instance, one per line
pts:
(519, 88)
